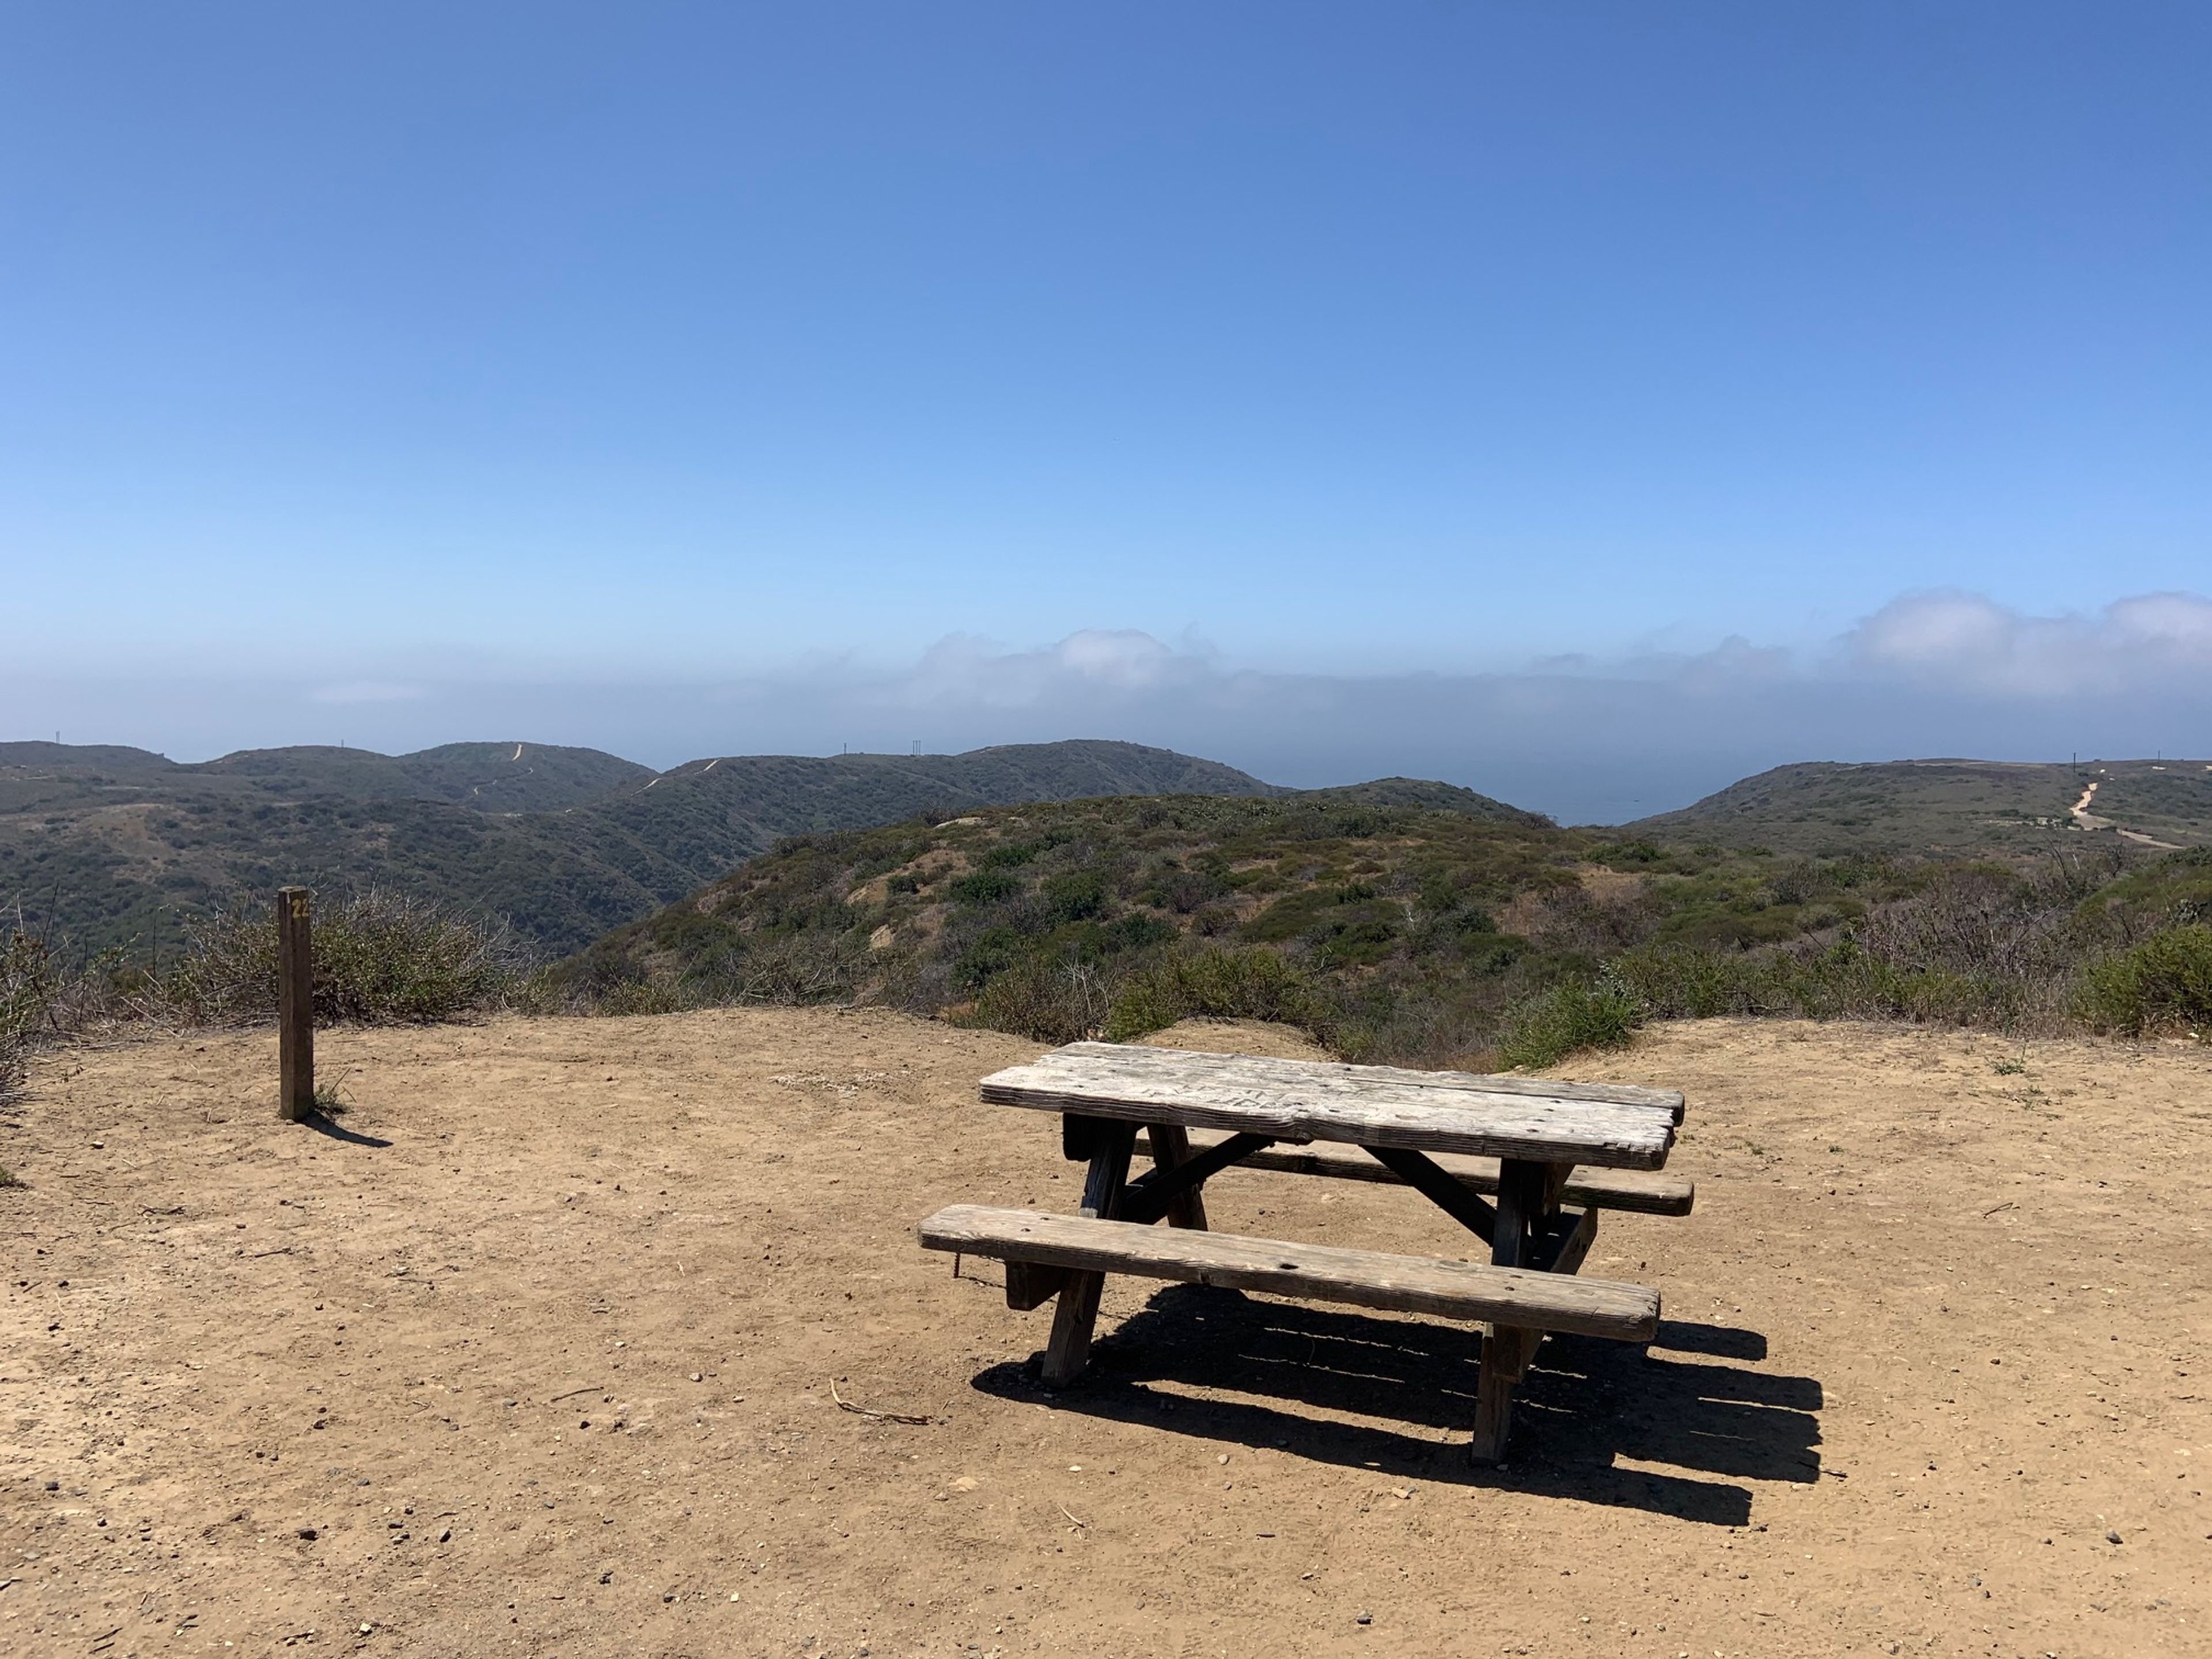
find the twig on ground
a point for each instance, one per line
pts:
(2006, 1205)
(1063, 1509)
(589, 1387)
(845, 1405)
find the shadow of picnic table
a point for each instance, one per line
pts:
(1585, 1405)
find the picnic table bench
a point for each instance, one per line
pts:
(1524, 1163)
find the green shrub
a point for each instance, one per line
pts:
(985, 887)
(1074, 896)
(1053, 1001)
(1689, 981)
(1137, 930)
(1579, 1014)
(991, 952)
(1627, 854)
(1214, 984)
(2164, 983)
(381, 958)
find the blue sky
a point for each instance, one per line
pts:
(460, 363)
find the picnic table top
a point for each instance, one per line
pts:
(1606, 1125)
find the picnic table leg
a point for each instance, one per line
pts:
(1172, 1146)
(1069, 1350)
(1524, 1190)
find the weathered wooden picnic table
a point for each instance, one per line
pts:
(1524, 1163)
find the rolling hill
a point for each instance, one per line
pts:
(1392, 927)
(112, 845)
(1952, 808)
(1404, 919)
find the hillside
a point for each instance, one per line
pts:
(116, 845)
(1952, 808)
(1411, 933)
(1399, 929)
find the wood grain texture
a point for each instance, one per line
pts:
(1644, 1192)
(1493, 1405)
(1069, 1349)
(295, 1004)
(1366, 1105)
(1669, 1101)
(1370, 1279)
(1170, 1145)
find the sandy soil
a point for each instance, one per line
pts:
(540, 1344)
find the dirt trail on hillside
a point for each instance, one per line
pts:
(539, 1345)
(2085, 820)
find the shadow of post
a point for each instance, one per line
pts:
(324, 1125)
(1585, 1405)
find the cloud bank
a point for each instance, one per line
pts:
(1587, 739)
(2157, 645)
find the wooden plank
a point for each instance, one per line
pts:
(1076, 1312)
(1566, 1241)
(295, 1005)
(1493, 1406)
(1170, 1145)
(1147, 1200)
(1646, 1192)
(1669, 1101)
(1030, 1285)
(1405, 1283)
(1520, 1207)
(1311, 1100)
(1419, 1171)
(1524, 1192)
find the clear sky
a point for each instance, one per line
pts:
(409, 357)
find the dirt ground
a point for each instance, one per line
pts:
(532, 1351)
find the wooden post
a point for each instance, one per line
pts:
(1172, 1146)
(295, 1005)
(1524, 1190)
(1069, 1350)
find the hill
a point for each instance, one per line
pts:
(1398, 928)
(1406, 931)
(1949, 808)
(112, 845)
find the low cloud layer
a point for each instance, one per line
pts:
(2157, 645)
(1935, 673)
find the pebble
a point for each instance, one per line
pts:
(308, 1533)
(2111, 1537)
(1364, 1618)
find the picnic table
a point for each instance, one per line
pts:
(1525, 1164)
